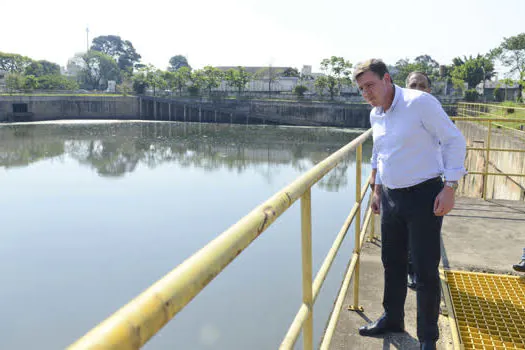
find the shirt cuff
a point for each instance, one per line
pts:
(378, 179)
(454, 174)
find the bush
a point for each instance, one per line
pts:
(56, 82)
(471, 95)
(299, 90)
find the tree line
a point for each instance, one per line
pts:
(112, 58)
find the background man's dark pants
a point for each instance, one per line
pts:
(407, 215)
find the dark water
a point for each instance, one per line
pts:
(94, 213)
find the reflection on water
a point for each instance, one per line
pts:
(94, 213)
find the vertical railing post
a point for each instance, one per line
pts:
(357, 245)
(372, 226)
(306, 230)
(487, 158)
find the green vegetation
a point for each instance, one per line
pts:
(111, 58)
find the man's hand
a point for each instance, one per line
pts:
(376, 200)
(444, 201)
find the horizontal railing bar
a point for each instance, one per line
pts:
(489, 105)
(482, 119)
(295, 329)
(495, 149)
(135, 323)
(496, 174)
(330, 257)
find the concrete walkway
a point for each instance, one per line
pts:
(482, 236)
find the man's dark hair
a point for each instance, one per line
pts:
(418, 72)
(374, 65)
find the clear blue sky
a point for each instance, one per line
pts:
(257, 32)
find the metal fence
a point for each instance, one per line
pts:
(135, 323)
(491, 115)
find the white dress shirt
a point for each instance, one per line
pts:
(415, 140)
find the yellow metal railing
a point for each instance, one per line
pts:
(135, 323)
(491, 115)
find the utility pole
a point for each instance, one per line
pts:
(87, 39)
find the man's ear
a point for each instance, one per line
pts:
(387, 77)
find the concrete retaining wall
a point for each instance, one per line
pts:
(68, 107)
(498, 187)
(253, 111)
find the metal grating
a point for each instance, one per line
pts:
(489, 309)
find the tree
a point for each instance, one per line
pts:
(237, 78)
(98, 69)
(56, 82)
(13, 63)
(212, 78)
(338, 72)
(30, 83)
(299, 90)
(473, 70)
(423, 63)
(269, 73)
(43, 67)
(291, 72)
(178, 79)
(14, 81)
(177, 62)
(459, 85)
(508, 83)
(149, 77)
(122, 51)
(320, 84)
(197, 79)
(427, 64)
(511, 53)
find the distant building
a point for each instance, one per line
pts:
(498, 91)
(306, 70)
(3, 75)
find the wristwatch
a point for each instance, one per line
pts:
(452, 184)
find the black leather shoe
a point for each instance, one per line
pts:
(381, 326)
(411, 281)
(428, 345)
(519, 267)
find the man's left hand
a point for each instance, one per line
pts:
(444, 201)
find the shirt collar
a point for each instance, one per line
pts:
(397, 95)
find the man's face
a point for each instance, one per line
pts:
(418, 82)
(373, 88)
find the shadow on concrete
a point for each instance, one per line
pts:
(484, 217)
(507, 206)
(487, 210)
(401, 341)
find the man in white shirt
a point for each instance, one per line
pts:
(415, 143)
(419, 81)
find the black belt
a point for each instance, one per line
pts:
(419, 185)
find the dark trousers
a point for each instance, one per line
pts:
(407, 218)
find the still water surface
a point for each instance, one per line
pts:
(94, 213)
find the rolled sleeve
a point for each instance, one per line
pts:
(373, 163)
(453, 144)
(378, 179)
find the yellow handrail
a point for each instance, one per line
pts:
(482, 109)
(135, 323)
